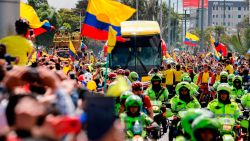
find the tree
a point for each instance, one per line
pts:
(81, 5)
(219, 30)
(67, 26)
(241, 41)
(70, 16)
(150, 9)
(45, 12)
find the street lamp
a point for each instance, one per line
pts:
(202, 27)
(137, 10)
(169, 24)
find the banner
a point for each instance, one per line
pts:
(194, 3)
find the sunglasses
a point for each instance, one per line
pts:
(135, 79)
(184, 89)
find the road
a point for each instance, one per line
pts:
(164, 138)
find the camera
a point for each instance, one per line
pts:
(5, 56)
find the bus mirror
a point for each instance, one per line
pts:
(130, 49)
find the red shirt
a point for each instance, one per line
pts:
(146, 102)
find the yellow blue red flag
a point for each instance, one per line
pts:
(216, 54)
(72, 51)
(27, 12)
(191, 39)
(104, 13)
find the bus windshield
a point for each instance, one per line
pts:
(138, 53)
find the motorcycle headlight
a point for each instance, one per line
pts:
(155, 108)
(137, 138)
(227, 127)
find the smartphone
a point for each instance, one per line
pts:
(31, 32)
(72, 75)
(100, 116)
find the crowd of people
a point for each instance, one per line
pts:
(58, 99)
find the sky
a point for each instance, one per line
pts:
(60, 3)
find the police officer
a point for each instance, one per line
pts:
(223, 106)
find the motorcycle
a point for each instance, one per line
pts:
(175, 128)
(227, 128)
(138, 133)
(156, 105)
(205, 95)
(244, 124)
(137, 138)
(160, 114)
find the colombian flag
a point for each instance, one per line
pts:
(221, 48)
(72, 51)
(104, 13)
(216, 54)
(46, 27)
(191, 39)
(27, 12)
(83, 46)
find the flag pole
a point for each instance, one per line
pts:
(106, 73)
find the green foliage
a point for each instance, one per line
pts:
(240, 41)
(71, 17)
(81, 5)
(67, 26)
(150, 10)
(45, 12)
(219, 30)
(207, 33)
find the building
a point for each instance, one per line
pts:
(227, 13)
(195, 18)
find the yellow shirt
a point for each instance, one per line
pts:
(178, 75)
(205, 77)
(217, 77)
(229, 69)
(169, 75)
(66, 69)
(18, 46)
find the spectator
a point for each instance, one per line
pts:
(17, 45)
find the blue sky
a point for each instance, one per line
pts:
(60, 3)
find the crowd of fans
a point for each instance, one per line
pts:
(47, 99)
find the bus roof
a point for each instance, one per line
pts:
(129, 28)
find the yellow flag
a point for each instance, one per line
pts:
(167, 55)
(120, 85)
(192, 37)
(71, 47)
(110, 11)
(111, 39)
(27, 12)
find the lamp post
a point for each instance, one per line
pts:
(161, 14)
(137, 10)
(169, 25)
(202, 27)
